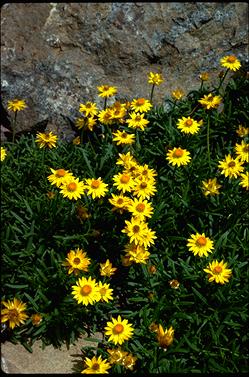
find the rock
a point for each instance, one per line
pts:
(54, 55)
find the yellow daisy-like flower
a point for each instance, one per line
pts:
(76, 140)
(200, 245)
(155, 78)
(59, 176)
(230, 62)
(174, 284)
(125, 159)
(117, 112)
(210, 101)
(231, 167)
(86, 291)
(96, 187)
(16, 105)
(178, 156)
(177, 94)
(119, 330)
(72, 188)
(76, 261)
(96, 365)
(36, 319)
(137, 253)
(140, 208)
(105, 292)
(47, 140)
(137, 121)
(80, 123)
(148, 237)
(144, 188)
(244, 180)
(146, 173)
(88, 109)
(210, 187)
(106, 269)
(242, 131)
(90, 123)
(242, 151)
(3, 153)
(135, 229)
(124, 182)
(105, 116)
(119, 202)
(131, 168)
(116, 355)
(165, 337)
(129, 361)
(106, 91)
(141, 105)
(122, 137)
(188, 125)
(218, 272)
(204, 76)
(14, 312)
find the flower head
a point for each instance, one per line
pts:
(230, 62)
(242, 131)
(242, 151)
(204, 76)
(96, 366)
(88, 109)
(174, 284)
(86, 291)
(210, 187)
(106, 269)
(76, 261)
(16, 105)
(47, 139)
(141, 105)
(135, 230)
(120, 202)
(200, 245)
(210, 101)
(165, 337)
(188, 125)
(14, 313)
(96, 187)
(155, 78)
(124, 182)
(36, 319)
(107, 91)
(125, 159)
(59, 176)
(231, 167)
(118, 330)
(144, 188)
(140, 208)
(3, 153)
(105, 116)
(218, 272)
(137, 253)
(244, 180)
(178, 156)
(137, 121)
(123, 138)
(116, 355)
(72, 188)
(177, 94)
(105, 292)
(76, 140)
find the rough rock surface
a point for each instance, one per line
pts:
(54, 55)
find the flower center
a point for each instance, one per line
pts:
(13, 314)
(86, 290)
(217, 269)
(60, 173)
(118, 329)
(210, 98)
(76, 260)
(143, 185)
(125, 178)
(124, 135)
(201, 241)
(140, 101)
(231, 59)
(246, 149)
(231, 164)
(136, 228)
(88, 105)
(140, 207)
(102, 291)
(95, 366)
(72, 186)
(105, 87)
(95, 184)
(138, 118)
(188, 122)
(178, 153)
(46, 137)
(120, 201)
(145, 172)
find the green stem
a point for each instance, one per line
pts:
(208, 142)
(222, 80)
(152, 91)
(138, 145)
(14, 127)
(105, 103)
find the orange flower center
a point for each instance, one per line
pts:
(138, 118)
(231, 59)
(120, 201)
(72, 186)
(201, 241)
(217, 269)
(145, 172)
(86, 290)
(60, 173)
(12, 314)
(143, 185)
(231, 164)
(102, 291)
(118, 329)
(140, 207)
(124, 135)
(95, 184)
(140, 101)
(210, 98)
(47, 137)
(246, 149)
(125, 178)
(178, 153)
(188, 122)
(95, 366)
(105, 87)
(76, 260)
(136, 228)
(88, 105)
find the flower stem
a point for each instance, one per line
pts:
(152, 91)
(222, 80)
(14, 127)
(105, 103)
(208, 142)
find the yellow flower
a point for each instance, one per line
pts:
(96, 187)
(218, 272)
(90, 122)
(3, 153)
(242, 151)
(204, 76)
(135, 229)
(140, 208)
(82, 213)
(89, 109)
(106, 268)
(59, 176)
(36, 319)
(210, 101)
(244, 180)
(188, 125)
(122, 137)
(117, 112)
(145, 172)
(119, 202)
(230, 62)
(231, 167)
(137, 253)
(137, 121)
(210, 187)
(178, 156)
(177, 94)
(107, 91)
(116, 355)
(72, 188)
(165, 337)
(129, 361)
(86, 291)
(148, 237)
(14, 312)
(96, 366)
(155, 78)
(141, 105)
(46, 139)
(76, 261)
(118, 330)
(144, 188)
(80, 123)
(242, 131)
(124, 182)
(200, 245)
(174, 284)
(105, 116)
(50, 195)
(105, 292)
(131, 168)
(125, 159)
(76, 140)
(16, 105)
